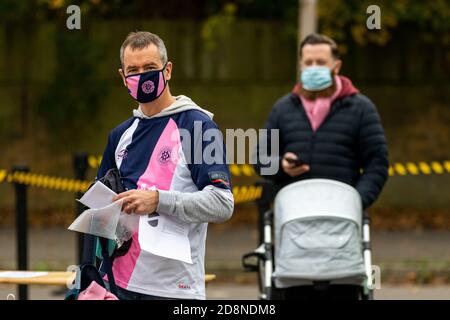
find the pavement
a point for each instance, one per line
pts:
(220, 291)
(401, 252)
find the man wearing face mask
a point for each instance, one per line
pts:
(327, 128)
(157, 154)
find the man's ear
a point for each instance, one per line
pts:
(168, 71)
(123, 76)
(337, 67)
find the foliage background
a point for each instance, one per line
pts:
(60, 91)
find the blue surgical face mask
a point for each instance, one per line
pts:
(316, 78)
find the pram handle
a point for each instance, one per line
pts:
(249, 266)
(268, 217)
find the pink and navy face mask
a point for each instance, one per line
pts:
(148, 86)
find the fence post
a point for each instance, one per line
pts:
(21, 228)
(263, 204)
(80, 166)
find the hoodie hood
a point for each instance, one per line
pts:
(348, 89)
(182, 103)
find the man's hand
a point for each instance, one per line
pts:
(139, 201)
(290, 168)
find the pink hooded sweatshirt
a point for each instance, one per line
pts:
(318, 109)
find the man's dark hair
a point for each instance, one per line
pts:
(316, 38)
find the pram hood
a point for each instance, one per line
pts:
(316, 198)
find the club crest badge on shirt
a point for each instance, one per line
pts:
(164, 155)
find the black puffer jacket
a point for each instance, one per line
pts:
(350, 140)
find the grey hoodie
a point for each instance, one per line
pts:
(182, 103)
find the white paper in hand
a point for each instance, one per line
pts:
(126, 227)
(102, 218)
(98, 196)
(165, 236)
(99, 222)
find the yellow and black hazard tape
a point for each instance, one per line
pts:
(420, 168)
(44, 181)
(398, 168)
(94, 161)
(241, 193)
(241, 170)
(246, 193)
(235, 169)
(3, 175)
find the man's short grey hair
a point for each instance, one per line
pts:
(141, 40)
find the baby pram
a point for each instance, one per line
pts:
(321, 237)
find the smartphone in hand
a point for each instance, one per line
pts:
(296, 162)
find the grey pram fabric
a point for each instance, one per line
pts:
(318, 234)
(319, 249)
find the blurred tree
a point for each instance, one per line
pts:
(74, 94)
(342, 20)
(217, 26)
(77, 53)
(73, 97)
(432, 19)
(17, 18)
